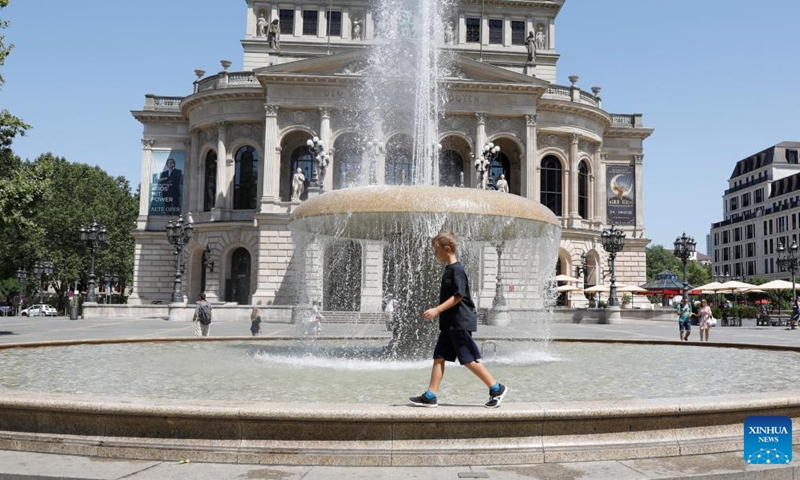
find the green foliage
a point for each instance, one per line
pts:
(716, 312)
(659, 259)
(748, 312)
(626, 299)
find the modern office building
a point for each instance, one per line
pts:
(237, 138)
(761, 211)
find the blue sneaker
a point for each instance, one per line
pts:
(424, 401)
(496, 397)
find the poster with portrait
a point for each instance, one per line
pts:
(620, 194)
(166, 182)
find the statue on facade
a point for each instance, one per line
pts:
(501, 184)
(541, 39)
(449, 35)
(298, 184)
(261, 26)
(356, 29)
(482, 165)
(274, 35)
(530, 44)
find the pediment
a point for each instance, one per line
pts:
(355, 64)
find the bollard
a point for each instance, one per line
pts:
(73, 312)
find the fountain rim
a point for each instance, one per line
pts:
(395, 199)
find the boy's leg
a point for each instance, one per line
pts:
(437, 373)
(481, 372)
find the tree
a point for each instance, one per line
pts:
(659, 259)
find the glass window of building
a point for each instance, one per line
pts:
(245, 179)
(473, 30)
(746, 200)
(517, 33)
(310, 18)
(495, 31)
(551, 184)
(210, 181)
(583, 190)
(287, 21)
(334, 23)
(791, 157)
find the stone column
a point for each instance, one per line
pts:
(601, 192)
(528, 180)
(637, 171)
(596, 187)
(480, 140)
(462, 29)
(193, 183)
(369, 26)
(144, 191)
(272, 160)
(325, 135)
(222, 202)
(347, 26)
(372, 289)
(322, 24)
(298, 21)
(574, 218)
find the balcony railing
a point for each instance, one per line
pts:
(227, 80)
(571, 94)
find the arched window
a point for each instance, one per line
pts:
(551, 184)
(210, 181)
(302, 159)
(398, 161)
(583, 190)
(450, 168)
(245, 180)
(501, 164)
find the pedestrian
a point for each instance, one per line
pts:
(684, 312)
(795, 314)
(202, 315)
(255, 322)
(314, 323)
(704, 316)
(388, 309)
(457, 320)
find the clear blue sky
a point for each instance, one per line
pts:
(717, 80)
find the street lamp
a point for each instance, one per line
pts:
(321, 160)
(483, 165)
(22, 275)
(178, 234)
(42, 271)
(684, 249)
(613, 241)
(94, 236)
(788, 262)
(499, 299)
(581, 268)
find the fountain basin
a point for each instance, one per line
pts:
(321, 433)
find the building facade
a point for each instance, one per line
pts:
(236, 141)
(761, 211)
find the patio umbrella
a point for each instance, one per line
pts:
(566, 278)
(735, 286)
(631, 289)
(567, 288)
(775, 285)
(597, 289)
(711, 287)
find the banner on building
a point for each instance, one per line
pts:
(620, 194)
(166, 182)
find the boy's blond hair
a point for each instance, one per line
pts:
(446, 239)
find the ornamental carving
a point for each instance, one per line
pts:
(586, 146)
(147, 143)
(458, 123)
(271, 110)
(552, 140)
(504, 125)
(209, 135)
(638, 159)
(251, 131)
(530, 120)
(305, 118)
(325, 112)
(480, 118)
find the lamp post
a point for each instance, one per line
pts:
(178, 234)
(22, 275)
(483, 165)
(95, 236)
(684, 248)
(499, 299)
(613, 241)
(788, 262)
(43, 271)
(321, 160)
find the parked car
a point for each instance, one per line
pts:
(38, 310)
(6, 310)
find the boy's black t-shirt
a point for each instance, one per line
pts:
(463, 316)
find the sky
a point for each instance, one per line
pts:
(717, 81)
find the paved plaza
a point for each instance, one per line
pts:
(22, 465)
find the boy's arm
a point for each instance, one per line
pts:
(447, 305)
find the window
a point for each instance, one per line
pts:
(473, 30)
(210, 181)
(716, 255)
(517, 33)
(287, 21)
(726, 254)
(734, 203)
(500, 165)
(737, 252)
(551, 184)
(334, 24)
(583, 190)
(791, 157)
(750, 231)
(399, 160)
(770, 227)
(751, 249)
(726, 237)
(794, 221)
(737, 234)
(495, 31)
(245, 180)
(746, 200)
(310, 18)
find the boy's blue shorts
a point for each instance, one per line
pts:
(459, 344)
(685, 325)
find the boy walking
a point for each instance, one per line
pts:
(684, 319)
(457, 321)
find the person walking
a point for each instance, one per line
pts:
(703, 315)
(684, 312)
(457, 320)
(255, 322)
(202, 315)
(795, 314)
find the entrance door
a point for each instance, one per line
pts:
(240, 276)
